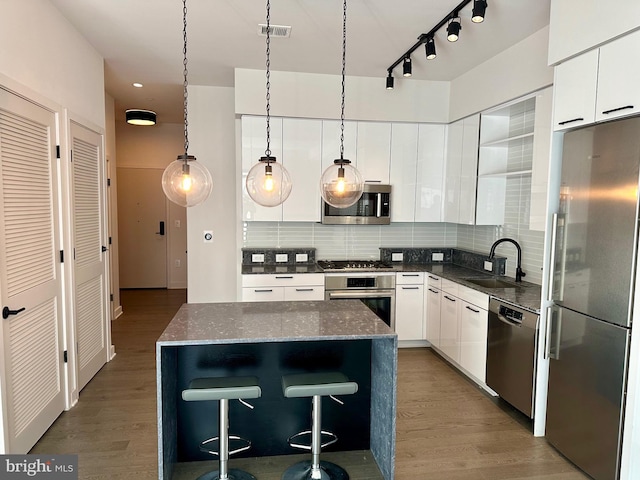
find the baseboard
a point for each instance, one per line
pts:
(412, 343)
(117, 312)
(112, 352)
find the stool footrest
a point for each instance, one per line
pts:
(247, 446)
(333, 438)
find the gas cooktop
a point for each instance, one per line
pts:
(351, 265)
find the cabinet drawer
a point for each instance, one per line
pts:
(308, 292)
(449, 287)
(284, 280)
(474, 297)
(433, 280)
(410, 278)
(262, 294)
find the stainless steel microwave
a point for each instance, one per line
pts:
(373, 208)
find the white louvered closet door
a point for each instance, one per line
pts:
(30, 277)
(90, 258)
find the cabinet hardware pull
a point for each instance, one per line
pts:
(304, 289)
(626, 107)
(410, 288)
(266, 290)
(6, 312)
(449, 298)
(373, 181)
(473, 309)
(433, 278)
(571, 121)
(410, 274)
(281, 277)
(433, 291)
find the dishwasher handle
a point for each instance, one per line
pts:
(509, 321)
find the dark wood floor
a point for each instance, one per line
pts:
(448, 429)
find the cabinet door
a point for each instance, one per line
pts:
(402, 175)
(451, 206)
(331, 142)
(315, 292)
(254, 143)
(541, 158)
(468, 171)
(373, 151)
(429, 195)
(432, 308)
(575, 91)
(618, 78)
(301, 147)
(450, 326)
(473, 340)
(263, 294)
(409, 312)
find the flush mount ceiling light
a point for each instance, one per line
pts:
(453, 26)
(341, 184)
(479, 9)
(268, 182)
(186, 182)
(137, 84)
(140, 117)
(453, 29)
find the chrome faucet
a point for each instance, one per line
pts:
(492, 252)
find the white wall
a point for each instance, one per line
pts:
(42, 51)
(512, 73)
(214, 267)
(318, 96)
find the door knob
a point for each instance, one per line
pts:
(6, 312)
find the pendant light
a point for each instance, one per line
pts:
(341, 184)
(268, 182)
(186, 182)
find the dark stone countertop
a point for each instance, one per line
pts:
(277, 269)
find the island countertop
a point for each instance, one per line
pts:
(259, 322)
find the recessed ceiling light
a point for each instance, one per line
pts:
(138, 85)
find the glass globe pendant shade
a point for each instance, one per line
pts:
(268, 182)
(186, 182)
(341, 184)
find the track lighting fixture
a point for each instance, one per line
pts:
(389, 81)
(430, 48)
(479, 9)
(453, 25)
(453, 29)
(406, 67)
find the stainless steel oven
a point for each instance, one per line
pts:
(375, 289)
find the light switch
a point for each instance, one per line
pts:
(282, 257)
(437, 257)
(257, 257)
(302, 257)
(397, 257)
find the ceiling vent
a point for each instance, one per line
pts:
(283, 31)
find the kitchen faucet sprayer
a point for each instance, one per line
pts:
(519, 272)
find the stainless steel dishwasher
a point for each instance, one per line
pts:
(511, 354)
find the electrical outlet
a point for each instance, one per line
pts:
(302, 257)
(397, 257)
(177, 223)
(488, 266)
(437, 257)
(208, 236)
(257, 258)
(282, 257)
(178, 263)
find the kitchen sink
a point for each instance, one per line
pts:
(491, 283)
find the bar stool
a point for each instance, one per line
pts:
(316, 385)
(223, 389)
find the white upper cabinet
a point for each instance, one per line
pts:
(451, 204)
(469, 170)
(575, 91)
(254, 144)
(404, 164)
(331, 142)
(302, 140)
(373, 151)
(429, 178)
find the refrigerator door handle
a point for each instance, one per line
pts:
(552, 261)
(554, 316)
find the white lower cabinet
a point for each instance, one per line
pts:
(279, 287)
(410, 306)
(450, 326)
(432, 309)
(473, 340)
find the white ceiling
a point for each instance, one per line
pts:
(141, 41)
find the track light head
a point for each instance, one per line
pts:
(406, 66)
(390, 81)
(430, 48)
(479, 9)
(453, 29)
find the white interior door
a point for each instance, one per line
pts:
(30, 277)
(142, 207)
(91, 301)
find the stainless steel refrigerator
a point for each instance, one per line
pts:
(593, 278)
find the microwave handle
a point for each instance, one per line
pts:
(378, 205)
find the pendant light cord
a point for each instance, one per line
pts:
(267, 152)
(344, 63)
(184, 62)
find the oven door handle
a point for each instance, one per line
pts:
(356, 294)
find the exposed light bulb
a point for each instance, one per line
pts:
(340, 186)
(186, 183)
(269, 184)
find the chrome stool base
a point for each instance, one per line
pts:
(303, 471)
(233, 474)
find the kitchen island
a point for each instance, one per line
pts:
(268, 340)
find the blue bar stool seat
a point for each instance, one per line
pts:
(316, 385)
(223, 389)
